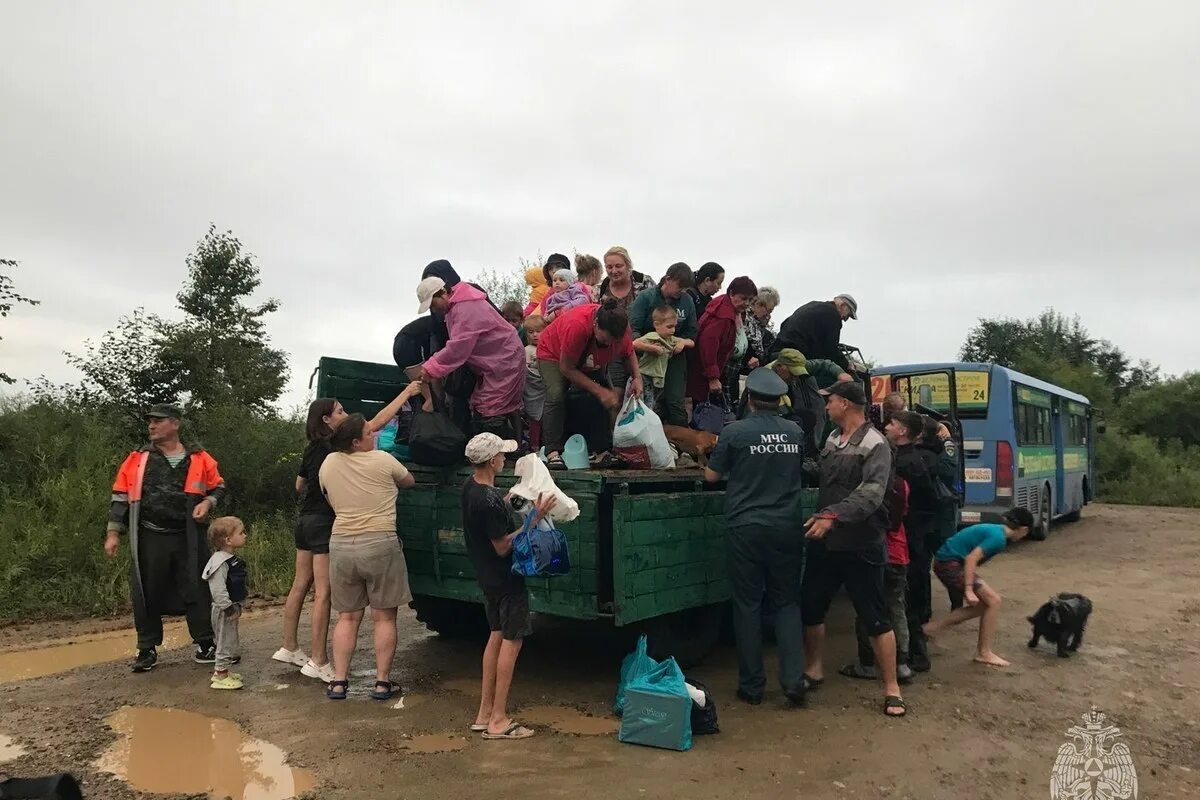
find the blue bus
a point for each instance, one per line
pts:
(1025, 442)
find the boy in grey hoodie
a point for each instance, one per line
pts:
(226, 576)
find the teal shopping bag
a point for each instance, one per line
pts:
(658, 709)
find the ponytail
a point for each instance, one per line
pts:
(612, 319)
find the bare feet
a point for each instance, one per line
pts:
(991, 659)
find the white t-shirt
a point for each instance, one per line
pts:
(361, 488)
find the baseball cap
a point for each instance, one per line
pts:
(426, 289)
(850, 301)
(486, 446)
(851, 390)
(793, 359)
(165, 411)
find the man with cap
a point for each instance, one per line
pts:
(162, 498)
(815, 329)
(761, 459)
(489, 527)
(482, 340)
(847, 537)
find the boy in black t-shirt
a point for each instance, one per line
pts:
(490, 527)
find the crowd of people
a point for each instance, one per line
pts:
(521, 378)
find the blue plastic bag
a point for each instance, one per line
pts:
(540, 551)
(635, 665)
(658, 709)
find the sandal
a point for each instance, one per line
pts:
(555, 462)
(390, 688)
(892, 702)
(606, 461)
(331, 690)
(858, 671)
(514, 731)
(812, 683)
(478, 728)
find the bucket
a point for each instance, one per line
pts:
(575, 453)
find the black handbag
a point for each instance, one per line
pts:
(435, 441)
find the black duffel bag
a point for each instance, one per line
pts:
(53, 787)
(435, 441)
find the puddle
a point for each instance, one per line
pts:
(408, 701)
(435, 743)
(10, 750)
(568, 720)
(83, 651)
(170, 751)
(463, 685)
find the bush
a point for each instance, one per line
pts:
(1132, 468)
(55, 489)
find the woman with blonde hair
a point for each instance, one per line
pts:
(621, 287)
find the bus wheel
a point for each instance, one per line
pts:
(687, 635)
(1041, 526)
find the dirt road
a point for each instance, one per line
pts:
(972, 732)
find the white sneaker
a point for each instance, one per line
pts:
(294, 657)
(323, 674)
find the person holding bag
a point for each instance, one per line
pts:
(717, 339)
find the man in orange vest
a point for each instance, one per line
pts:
(162, 498)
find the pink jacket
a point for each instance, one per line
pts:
(489, 345)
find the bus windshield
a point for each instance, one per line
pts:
(971, 387)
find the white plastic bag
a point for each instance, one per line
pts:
(638, 437)
(533, 478)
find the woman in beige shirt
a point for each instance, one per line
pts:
(366, 561)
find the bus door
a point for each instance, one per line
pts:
(1057, 421)
(936, 393)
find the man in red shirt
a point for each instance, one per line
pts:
(576, 349)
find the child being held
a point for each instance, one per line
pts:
(535, 387)
(226, 577)
(655, 350)
(567, 293)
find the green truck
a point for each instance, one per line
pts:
(647, 550)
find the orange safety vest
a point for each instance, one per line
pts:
(202, 475)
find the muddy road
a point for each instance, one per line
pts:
(971, 731)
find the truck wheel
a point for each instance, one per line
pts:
(450, 618)
(1041, 525)
(687, 635)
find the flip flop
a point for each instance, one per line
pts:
(894, 702)
(477, 728)
(390, 689)
(514, 731)
(332, 694)
(858, 671)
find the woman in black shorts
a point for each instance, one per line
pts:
(312, 539)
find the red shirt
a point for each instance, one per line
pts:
(897, 540)
(567, 337)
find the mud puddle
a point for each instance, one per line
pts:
(170, 751)
(567, 720)
(435, 743)
(10, 749)
(65, 654)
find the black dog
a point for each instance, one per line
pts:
(1062, 620)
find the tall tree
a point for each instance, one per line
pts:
(1165, 411)
(9, 298)
(221, 348)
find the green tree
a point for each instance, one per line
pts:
(9, 298)
(221, 348)
(503, 287)
(1166, 411)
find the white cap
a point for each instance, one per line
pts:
(486, 446)
(426, 289)
(851, 303)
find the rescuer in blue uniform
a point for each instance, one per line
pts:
(761, 457)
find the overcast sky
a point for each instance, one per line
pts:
(941, 162)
